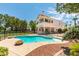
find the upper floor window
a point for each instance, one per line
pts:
(46, 20)
(41, 20)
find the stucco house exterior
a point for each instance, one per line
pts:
(46, 23)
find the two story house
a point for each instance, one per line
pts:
(48, 24)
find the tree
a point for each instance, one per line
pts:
(1, 21)
(12, 22)
(23, 25)
(60, 30)
(75, 19)
(32, 26)
(69, 8)
(1, 16)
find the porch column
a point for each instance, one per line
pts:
(38, 30)
(44, 29)
(50, 29)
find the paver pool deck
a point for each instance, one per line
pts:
(23, 49)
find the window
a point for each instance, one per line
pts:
(39, 29)
(46, 20)
(41, 20)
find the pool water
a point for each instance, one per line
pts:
(32, 39)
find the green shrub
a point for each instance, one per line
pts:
(72, 34)
(46, 31)
(60, 30)
(65, 30)
(3, 51)
(74, 49)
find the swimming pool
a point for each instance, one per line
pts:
(32, 39)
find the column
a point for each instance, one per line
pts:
(50, 29)
(37, 30)
(44, 29)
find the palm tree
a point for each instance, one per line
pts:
(3, 25)
(0, 22)
(1, 19)
(75, 19)
(33, 26)
(23, 25)
(15, 24)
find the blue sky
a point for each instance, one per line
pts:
(30, 11)
(24, 11)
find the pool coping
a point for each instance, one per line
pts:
(44, 43)
(40, 44)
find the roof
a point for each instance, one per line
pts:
(42, 14)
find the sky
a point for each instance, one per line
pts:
(24, 11)
(30, 11)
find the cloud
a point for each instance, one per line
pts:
(55, 14)
(52, 11)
